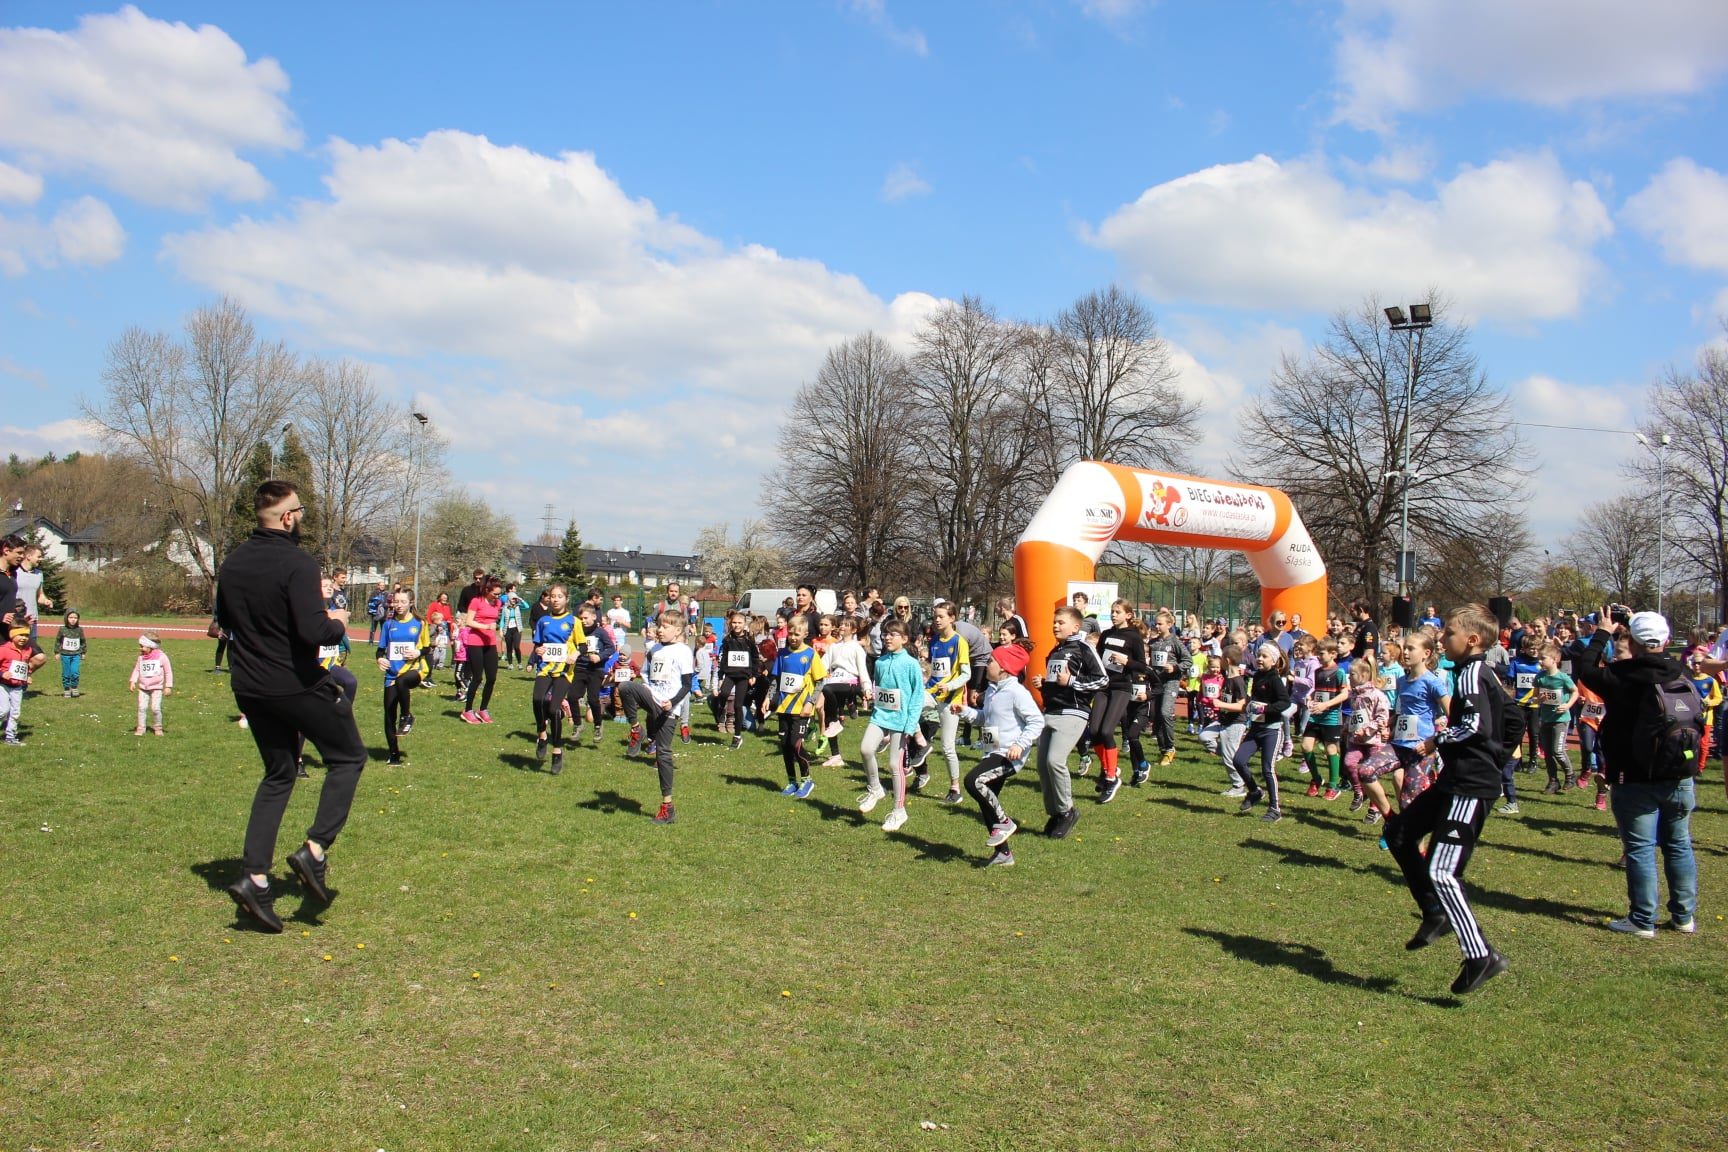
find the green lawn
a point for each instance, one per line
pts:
(518, 961)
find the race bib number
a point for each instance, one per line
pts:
(1595, 710)
(941, 667)
(791, 683)
(1256, 711)
(624, 674)
(593, 645)
(991, 738)
(1360, 723)
(1409, 727)
(71, 644)
(329, 652)
(889, 698)
(1525, 681)
(737, 659)
(1549, 696)
(1210, 691)
(555, 653)
(1137, 692)
(18, 670)
(1054, 669)
(146, 670)
(657, 670)
(400, 651)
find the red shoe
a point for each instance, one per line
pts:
(471, 718)
(1333, 793)
(1602, 803)
(684, 733)
(485, 716)
(1313, 789)
(666, 815)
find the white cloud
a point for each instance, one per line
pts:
(81, 232)
(1114, 13)
(86, 232)
(1684, 209)
(158, 111)
(1223, 367)
(18, 186)
(1565, 479)
(602, 313)
(1403, 56)
(1512, 238)
(903, 183)
(58, 437)
(1400, 162)
(876, 12)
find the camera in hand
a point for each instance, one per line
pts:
(1620, 614)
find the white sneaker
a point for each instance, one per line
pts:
(1630, 929)
(1687, 926)
(834, 762)
(834, 729)
(1237, 792)
(870, 799)
(896, 820)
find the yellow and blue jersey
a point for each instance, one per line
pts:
(797, 676)
(397, 638)
(558, 643)
(950, 668)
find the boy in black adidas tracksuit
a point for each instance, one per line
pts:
(1453, 810)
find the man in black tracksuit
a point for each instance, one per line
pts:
(269, 599)
(1455, 806)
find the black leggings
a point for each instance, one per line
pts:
(482, 660)
(513, 647)
(1108, 709)
(985, 785)
(1132, 725)
(549, 695)
(734, 690)
(792, 729)
(585, 685)
(398, 705)
(221, 648)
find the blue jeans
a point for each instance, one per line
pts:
(1651, 815)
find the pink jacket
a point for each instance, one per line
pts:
(1371, 721)
(152, 671)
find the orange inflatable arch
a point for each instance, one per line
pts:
(1094, 503)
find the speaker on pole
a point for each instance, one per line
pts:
(1501, 606)
(1403, 612)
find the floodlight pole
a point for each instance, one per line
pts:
(1660, 449)
(419, 440)
(1420, 319)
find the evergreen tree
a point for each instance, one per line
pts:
(263, 464)
(568, 569)
(241, 519)
(292, 463)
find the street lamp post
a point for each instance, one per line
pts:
(1660, 448)
(422, 420)
(1421, 318)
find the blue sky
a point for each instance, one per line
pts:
(603, 244)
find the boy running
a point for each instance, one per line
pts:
(668, 682)
(1072, 673)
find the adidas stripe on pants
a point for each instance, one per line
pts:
(1437, 882)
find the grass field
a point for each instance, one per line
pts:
(517, 961)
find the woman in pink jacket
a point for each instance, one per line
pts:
(152, 679)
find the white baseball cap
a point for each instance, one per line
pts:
(1649, 629)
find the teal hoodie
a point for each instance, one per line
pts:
(898, 675)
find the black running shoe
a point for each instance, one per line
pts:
(1475, 973)
(1064, 824)
(310, 869)
(256, 902)
(540, 750)
(557, 763)
(1108, 786)
(406, 727)
(1434, 925)
(395, 758)
(1250, 801)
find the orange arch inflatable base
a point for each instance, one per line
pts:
(1095, 503)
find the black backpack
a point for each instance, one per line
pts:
(1668, 733)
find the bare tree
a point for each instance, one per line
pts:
(838, 503)
(90, 490)
(1104, 376)
(190, 412)
(974, 428)
(1329, 431)
(415, 476)
(749, 561)
(1691, 408)
(1615, 545)
(351, 435)
(1498, 557)
(463, 533)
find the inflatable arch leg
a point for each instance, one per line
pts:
(1094, 503)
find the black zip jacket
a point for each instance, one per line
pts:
(1271, 690)
(1623, 685)
(269, 600)
(1472, 746)
(746, 644)
(1086, 677)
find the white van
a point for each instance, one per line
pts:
(767, 601)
